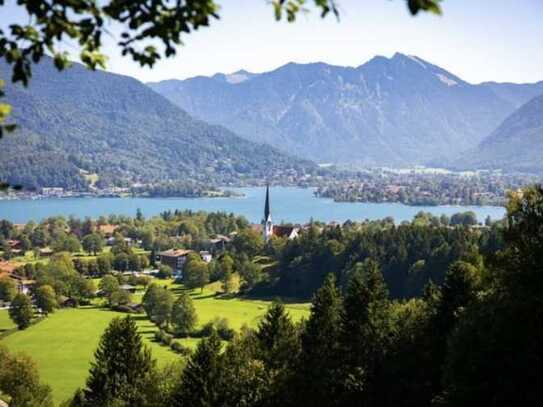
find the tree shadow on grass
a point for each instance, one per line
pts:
(139, 317)
(198, 296)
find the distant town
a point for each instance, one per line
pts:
(416, 187)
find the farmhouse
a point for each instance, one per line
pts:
(8, 268)
(218, 244)
(14, 244)
(107, 230)
(175, 258)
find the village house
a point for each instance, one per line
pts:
(175, 258)
(7, 269)
(110, 241)
(46, 252)
(127, 287)
(14, 244)
(218, 244)
(107, 230)
(52, 191)
(206, 256)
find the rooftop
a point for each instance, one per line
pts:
(175, 252)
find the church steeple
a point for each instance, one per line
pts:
(267, 221)
(267, 212)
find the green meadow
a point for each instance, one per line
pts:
(5, 323)
(63, 344)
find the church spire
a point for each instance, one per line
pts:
(267, 221)
(267, 212)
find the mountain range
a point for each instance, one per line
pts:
(79, 125)
(80, 122)
(389, 111)
(516, 145)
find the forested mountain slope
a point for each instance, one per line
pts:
(516, 145)
(120, 129)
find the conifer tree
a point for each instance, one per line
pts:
(319, 365)
(199, 385)
(277, 338)
(122, 367)
(364, 332)
(494, 351)
(277, 346)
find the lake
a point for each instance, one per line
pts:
(289, 204)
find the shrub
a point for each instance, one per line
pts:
(220, 325)
(163, 337)
(180, 349)
(123, 308)
(223, 329)
(206, 330)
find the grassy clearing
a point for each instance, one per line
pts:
(5, 323)
(64, 343)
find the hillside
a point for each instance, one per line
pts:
(388, 111)
(516, 145)
(120, 129)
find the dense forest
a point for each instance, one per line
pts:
(409, 255)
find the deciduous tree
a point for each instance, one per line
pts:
(21, 311)
(8, 289)
(184, 315)
(46, 299)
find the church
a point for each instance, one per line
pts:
(269, 229)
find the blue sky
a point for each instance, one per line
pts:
(477, 40)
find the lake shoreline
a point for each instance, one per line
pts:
(289, 204)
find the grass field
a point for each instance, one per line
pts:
(63, 344)
(5, 323)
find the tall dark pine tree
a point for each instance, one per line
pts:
(277, 338)
(365, 334)
(495, 350)
(278, 347)
(319, 364)
(200, 383)
(122, 367)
